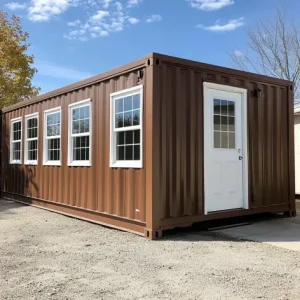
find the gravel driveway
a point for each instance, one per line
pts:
(44, 255)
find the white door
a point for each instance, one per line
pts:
(297, 153)
(225, 148)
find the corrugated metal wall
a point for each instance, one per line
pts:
(120, 192)
(179, 144)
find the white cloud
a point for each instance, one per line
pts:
(154, 18)
(230, 26)
(98, 17)
(102, 22)
(133, 20)
(106, 3)
(100, 14)
(44, 10)
(15, 5)
(131, 3)
(74, 23)
(52, 70)
(238, 53)
(210, 4)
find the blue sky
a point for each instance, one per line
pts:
(75, 39)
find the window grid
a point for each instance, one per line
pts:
(127, 118)
(126, 128)
(32, 140)
(16, 141)
(224, 124)
(53, 137)
(80, 134)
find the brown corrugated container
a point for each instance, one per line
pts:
(169, 189)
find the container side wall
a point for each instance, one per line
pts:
(116, 192)
(179, 95)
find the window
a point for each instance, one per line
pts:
(16, 141)
(31, 145)
(126, 128)
(80, 133)
(224, 124)
(52, 137)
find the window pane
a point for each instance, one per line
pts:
(136, 101)
(34, 132)
(34, 121)
(17, 146)
(119, 105)
(53, 124)
(217, 109)
(16, 151)
(16, 155)
(50, 131)
(84, 154)
(120, 138)
(32, 145)
(217, 122)
(224, 140)
(231, 140)
(50, 119)
(54, 149)
(128, 119)
(56, 156)
(75, 114)
(129, 137)
(76, 154)
(85, 111)
(231, 126)
(85, 126)
(128, 152)
(136, 117)
(120, 153)
(76, 128)
(128, 103)
(56, 129)
(81, 148)
(231, 108)
(136, 152)
(223, 107)
(217, 139)
(119, 120)
(136, 136)
(224, 123)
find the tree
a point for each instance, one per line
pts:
(273, 49)
(16, 69)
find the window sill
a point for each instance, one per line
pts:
(15, 162)
(30, 163)
(80, 164)
(53, 163)
(127, 164)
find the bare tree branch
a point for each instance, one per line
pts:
(273, 49)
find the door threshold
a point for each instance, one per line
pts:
(225, 210)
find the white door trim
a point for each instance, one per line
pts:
(243, 92)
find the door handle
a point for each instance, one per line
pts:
(240, 157)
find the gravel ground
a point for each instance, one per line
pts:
(44, 255)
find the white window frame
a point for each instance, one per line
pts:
(12, 122)
(47, 162)
(28, 117)
(71, 135)
(114, 163)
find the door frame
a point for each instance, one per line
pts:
(244, 123)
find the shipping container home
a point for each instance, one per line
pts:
(159, 143)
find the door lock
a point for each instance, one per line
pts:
(240, 157)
